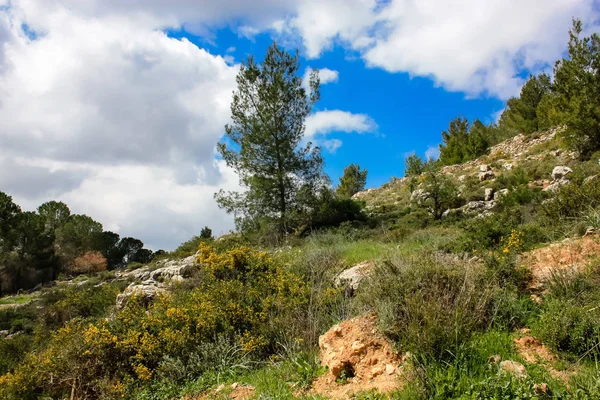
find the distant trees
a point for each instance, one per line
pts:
(463, 142)
(521, 113)
(206, 233)
(352, 182)
(577, 87)
(36, 246)
(264, 143)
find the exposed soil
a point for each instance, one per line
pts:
(359, 360)
(235, 391)
(533, 351)
(562, 257)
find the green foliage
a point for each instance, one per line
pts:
(521, 114)
(352, 182)
(570, 320)
(206, 233)
(269, 109)
(463, 142)
(427, 307)
(577, 83)
(413, 165)
(442, 193)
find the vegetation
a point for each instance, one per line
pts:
(451, 291)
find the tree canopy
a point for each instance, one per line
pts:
(265, 142)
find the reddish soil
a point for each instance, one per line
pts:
(359, 360)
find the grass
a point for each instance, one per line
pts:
(16, 300)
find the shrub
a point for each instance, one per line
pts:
(245, 301)
(90, 262)
(428, 308)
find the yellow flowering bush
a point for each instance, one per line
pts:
(244, 297)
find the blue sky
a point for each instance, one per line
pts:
(115, 106)
(410, 111)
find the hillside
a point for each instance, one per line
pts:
(498, 298)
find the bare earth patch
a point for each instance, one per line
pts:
(533, 351)
(562, 257)
(359, 360)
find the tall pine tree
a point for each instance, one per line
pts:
(264, 146)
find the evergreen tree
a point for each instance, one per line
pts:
(577, 83)
(521, 113)
(206, 233)
(455, 139)
(413, 165)
(268, 112)
(352, 182)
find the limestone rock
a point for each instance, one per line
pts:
(419, 195)
(148, 290)
(487, 175)
(484, 168)
(489, 194)
(176, 270)
(560, 172)
(500, 194)
(352, 277)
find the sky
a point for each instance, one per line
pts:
(116, 106)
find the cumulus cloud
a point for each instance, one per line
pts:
(477, 47)
(321, 123)
(113, 117)
(326, 76)
(324, 122)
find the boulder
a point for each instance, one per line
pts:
(500, 194)
(484, 168)
(487, 175)
(507, 166)
(148, 290)
(489, 194)
(419, 195)
(478, 206)
(462, 178)
(560, 172)
(351, 278)
(553, 187)
(175, 270)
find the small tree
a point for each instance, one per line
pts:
(441, 193)
(352, 182)
(206, 233)
(521, 113)
(264, 146)
(413, 165)
(90, 262)
(577, 83)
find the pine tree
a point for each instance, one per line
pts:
(264, 146)
(352, 182)
(577, 83)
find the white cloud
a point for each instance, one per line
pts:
(326, 76)
(115, 118)
(331, 145)
(477, 47)
(432, 153)
(324, 122)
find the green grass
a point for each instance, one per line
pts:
(16, 300)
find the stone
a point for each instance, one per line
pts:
(560, 172)
(478, 206)
(500, 194)
(351, 278)
(514, 368)
(591, 231)
(462, 178)
(489, 194)
(553, 187)
(484, 168)
(419, 195)
(148, 290)
(507, 166)
(4, 333)
(487, 175)
(175, 270)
